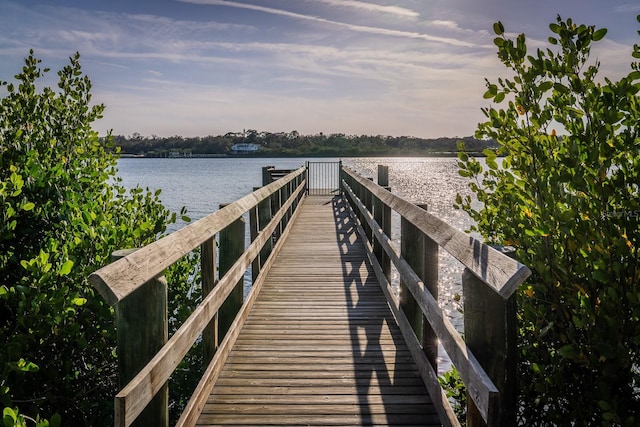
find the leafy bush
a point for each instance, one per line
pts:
(456, 391)
(567, 197)
(63, 212)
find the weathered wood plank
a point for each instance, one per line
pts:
(197, 401)
(481, 388)
(320, 346)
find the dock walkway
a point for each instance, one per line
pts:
(320, 346)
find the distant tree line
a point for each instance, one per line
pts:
(294, 144)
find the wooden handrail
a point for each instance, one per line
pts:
(494, 269)
(117, 280)
(134, 397)
(501, 273)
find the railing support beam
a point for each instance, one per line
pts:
(141, 333)
(231, 249)
(208, 273)
(490, 328)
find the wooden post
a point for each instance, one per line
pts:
(377, 216)
(421, 253)
(264, 218)
(231, 248)
(266, 175)
(429, 276)
(254, 229)
(490, 328)
(411, 249)
(368, 203)
(383, 176)
(142, 330)
(209, 280)
(276, 203)
(384, 219)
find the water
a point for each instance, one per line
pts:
(201, 185)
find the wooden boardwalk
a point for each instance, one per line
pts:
(320, 346)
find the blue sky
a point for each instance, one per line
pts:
(207, 67)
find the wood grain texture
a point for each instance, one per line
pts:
(132, 399)
(480, 387)
(498, 271)
(117, 280)
(320, 346)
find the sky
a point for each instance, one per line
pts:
(358, 67)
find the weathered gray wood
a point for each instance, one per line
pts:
(320, 337)
(264, 216)
(491, 333)
(266, 175)
(383, 176)
(254, 229)
(481, 389)
(429, 276)
(428, 374)
(141, 331)
(133, 398)
(118, 279)
(496, 270)
(412, 251)
(421, 253)
(231, 249)
(208, 273)
(382, 215)
(197, 402)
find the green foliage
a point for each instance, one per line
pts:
(295, 145)
(11, 417)
(456, 391)
(63, 212)
(567, 197)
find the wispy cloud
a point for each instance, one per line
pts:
(371, 7)
(352, 27)
(627, 8)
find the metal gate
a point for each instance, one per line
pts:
(323, 178)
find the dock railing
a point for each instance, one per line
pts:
(137, 277)
(486, 357)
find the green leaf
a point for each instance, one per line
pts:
(599, 35)
(65, 269)
(498, 28)
(9, 417)
(568, 351)
(28, 206)
(545, 86)
(79, 301)
(55, 421)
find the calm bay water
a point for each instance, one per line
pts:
(201, 185)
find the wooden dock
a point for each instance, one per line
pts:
(320, 346)
(321, 338)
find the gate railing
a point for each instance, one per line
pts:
(323, 178)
